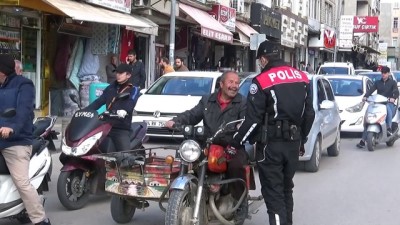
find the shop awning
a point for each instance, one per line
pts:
(245, 29)
(210, 27)
(370, 50)
(86, 12)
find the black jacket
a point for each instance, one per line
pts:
(386, 88)
(208, 110)
(17, 92)
(284, 94)
(138, 77)
(122, 104)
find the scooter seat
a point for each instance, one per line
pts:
(41, 125)
(38, 145)
(135, 129)
(3, 166)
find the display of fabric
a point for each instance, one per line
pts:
(72, 59)
(127, 43)
(90, 62)
(114, 32)
(62, 56)
(70, 107)
(84, 92)
(99, 40)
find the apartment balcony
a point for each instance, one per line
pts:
(314, 26)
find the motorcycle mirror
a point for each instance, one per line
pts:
(123, 96)
(74, 98)
(8, 113)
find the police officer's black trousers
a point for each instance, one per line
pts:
(276, 171)
(120, 137)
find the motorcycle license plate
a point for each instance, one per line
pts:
(152, 123)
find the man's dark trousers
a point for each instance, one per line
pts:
(276, 172)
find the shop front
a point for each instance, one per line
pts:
(65, 45)
(321, 49)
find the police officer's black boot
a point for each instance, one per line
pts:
(44, 222)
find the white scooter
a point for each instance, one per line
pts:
(375, 120)
(11, 205)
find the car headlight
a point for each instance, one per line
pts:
(83, 148)
(356, 108)
(189, 150)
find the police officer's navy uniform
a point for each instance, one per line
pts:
(279, 117)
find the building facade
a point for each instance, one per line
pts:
(389, 34)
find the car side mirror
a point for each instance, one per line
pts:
(326, 104)
(8, 113)
(142, 91)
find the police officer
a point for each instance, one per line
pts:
(278, 118)
(122, 107)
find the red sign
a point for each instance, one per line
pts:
(225, 16)
(364, 24)
(329, 38)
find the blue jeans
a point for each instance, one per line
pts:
(389, 108)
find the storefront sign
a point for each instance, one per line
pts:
(346, 32)
(365, 24)
(119, 5)
(287, 43)
(225, 16)
(329, 38)
(216, 35)
(266, 20)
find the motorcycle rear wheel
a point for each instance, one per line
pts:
(180, 208)
(68, 190)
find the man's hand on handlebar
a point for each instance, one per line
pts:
(5, 132)
(392, 100)
(121, 113)
(170, 124)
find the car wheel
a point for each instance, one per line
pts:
(334, 149)
(313, 164)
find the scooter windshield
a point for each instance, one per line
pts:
(82, 123)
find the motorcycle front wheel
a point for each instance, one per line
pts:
(371, 141)
(69, 192)
(180, 208)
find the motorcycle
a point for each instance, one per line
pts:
(199, 194)
(11, 205)
(375, 121)
(43, 128)
(83, 174)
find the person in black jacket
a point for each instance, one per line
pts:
(278, 118)
(16, 135)
(123, 107)
(215, 110)
(138, 73)
(388, 88)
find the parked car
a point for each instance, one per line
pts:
(349, 92)
(396, 74)
(170, 95)
(376, 76)
(336, 68)
(325, 132)
(357, 71)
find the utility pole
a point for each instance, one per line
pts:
(172, 32)
(338, 15)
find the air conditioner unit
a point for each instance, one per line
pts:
(141, 3)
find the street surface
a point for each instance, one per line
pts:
(357, 187)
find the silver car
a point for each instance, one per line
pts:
(325, 132)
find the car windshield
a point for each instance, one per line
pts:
(397, 75)
(346, 87)
(374, 76)
(245, 86)
(169, 85)
(334, 70)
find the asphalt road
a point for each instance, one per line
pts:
(357, 187)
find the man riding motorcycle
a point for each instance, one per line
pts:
(215, 110)
(388, 88)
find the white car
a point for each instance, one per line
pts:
(171, 94)
(349, 92)
(336, 68)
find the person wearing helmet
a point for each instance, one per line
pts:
(279, 112)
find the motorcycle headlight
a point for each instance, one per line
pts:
(189, 150)
(83, 148)
(356, 108)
